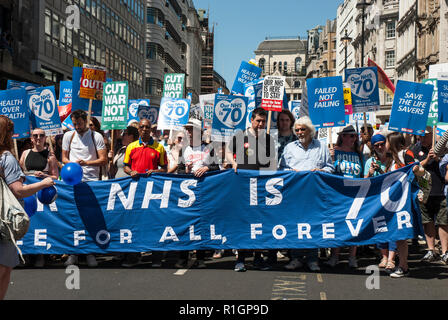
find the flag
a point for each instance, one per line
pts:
(383, 80)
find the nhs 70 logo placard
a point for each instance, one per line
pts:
(230, 115)
(364, 87)
(44, 113)
(173, 113)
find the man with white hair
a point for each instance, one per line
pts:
(305, 154)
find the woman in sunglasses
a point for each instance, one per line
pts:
(38, 160)
(348, 162)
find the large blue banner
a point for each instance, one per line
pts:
(364, 88)
(247, 73)
(13, 104)
(411, 107)
(225, 210)
(326, 101)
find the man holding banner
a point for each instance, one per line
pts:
(305, 154)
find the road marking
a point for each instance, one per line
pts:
(289, 288)
(323, 296)
(181, 272)
(319, 278)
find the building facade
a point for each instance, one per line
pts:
(284, 56)
(346, 27)
(48, 42)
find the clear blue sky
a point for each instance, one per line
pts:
(241, 25)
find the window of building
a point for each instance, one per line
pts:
(390, 29)
(261, 63)
(298, 64)
(390, 58)
(285, 66)
(280, 66)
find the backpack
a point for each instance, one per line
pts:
(14, 222)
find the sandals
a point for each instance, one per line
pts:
(383, 263)
(390, 267)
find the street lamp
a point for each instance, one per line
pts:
(346, 41)
(363, 4)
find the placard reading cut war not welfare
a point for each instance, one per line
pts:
(115, 106)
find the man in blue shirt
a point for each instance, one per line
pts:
(305, 154)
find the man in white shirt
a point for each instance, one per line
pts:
(86, 148)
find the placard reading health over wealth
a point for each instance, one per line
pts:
(411, 107)
(247, 73)
(273, 91)
(364, 88)
(326, 101)
(230, 115)
(13, 104)
(44, 112)
(173, 113)
(115, 106)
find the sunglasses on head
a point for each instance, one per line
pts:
(38, 135)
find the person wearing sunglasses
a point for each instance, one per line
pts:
(348, 162)
(38, 160)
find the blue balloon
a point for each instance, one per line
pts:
(30, 205)
(47, 195)
(72, 173)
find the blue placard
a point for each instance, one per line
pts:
(80, 103)
(140, 109)
(173, 113)
(247, 73)
(326, 101)
(364, 88)
(226, 210)
(44, 113)
(12, 84)
(294, 107)
(443, 100)
(411, 107)
(229, 116)
(13, 104)
(65, 93)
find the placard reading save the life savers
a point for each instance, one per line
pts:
(411, 107)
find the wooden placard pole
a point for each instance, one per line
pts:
(269, 122)
(89, 113)
(330, 137)
(434, 130)
(16, 149)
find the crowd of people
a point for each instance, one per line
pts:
(141, 149)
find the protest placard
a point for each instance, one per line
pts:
(363, 83)
(207, 102)
(442, 99)
(229, 116)
(273, 92)
(65, 99)
(173, 85)
(44, 113)
(246, 73)
(115, 106)
(92, 80)
(141, 109)
(294, 107)
(326, 101)
(433, 116)
(173, 113)
(81, 103)
(411, 107)
(348, 104)
(14, 105)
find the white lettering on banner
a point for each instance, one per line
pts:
(40, 206)
(276, 235)
(379, 224)
(213, 235)
(194, 237)
(115, 190)
(328, 231)
(388, 204)
(303, 229)
(403, 218)
(276, 200)
(169, 234)
(40, 234)
(125, 235)
(78, 236)
(253, 230)
(360, 196)
(354, 231)
(165, 196)
(253, 192)
(184, 187)
(101, 233)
